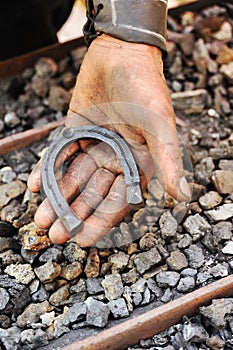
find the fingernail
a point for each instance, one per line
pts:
(184, 187)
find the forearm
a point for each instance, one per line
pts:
(143, 21)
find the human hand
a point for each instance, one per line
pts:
(121, 87)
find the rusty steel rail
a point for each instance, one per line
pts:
(18, 64)
(25, 138)
(152, 322)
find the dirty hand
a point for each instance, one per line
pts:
(121, 87)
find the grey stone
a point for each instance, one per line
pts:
(218, 310)
(177, 261)
(223, 230)
(118, 261)
(137, 298)
(168, 225)
(139, 286)
(7, 175)
(29, 255)
(180, 211)
(10, 190)
(32, 313)
(224, 151)
(5, 321)
(197, 226)
(59, 99)
(118, 308)
(77, 312)
(185, 241)
(37, 337)
(10, 338)
(167, 279)
(224, 33)
(68, 80)
(228, 248)
(201, 56)
(51, 254)
(203, 277)
(155, 189)
(19, 294)
(6, 229)
(226, 164)
(203, 171)
(215, 80)
(23, 273)
(197, 191)
(130, 277)
(191, 102)
(11, 120)
(219, 270)
(194, 333)
(46, 67)
(7, 243)
(4, 298)
(60, 296)
(40, 86)
(156, 290)
(74, 253)
(210, 200)
(177, 65)
(227, 71)
(128, 297)
(60, 325)
(40, 295)
(145, 261)
(223, 181)
(189, 272)
(80, 287)
(97, 313)
(223, 212)
(176, 86)
(195, 256)
(147, 297)
(215, 343)
(211, 242)
(71, 271)
(113, 286)
(48, 272)
(94, 285)
(186, 284)
(167, 296)
(148, 241)
(48, 318)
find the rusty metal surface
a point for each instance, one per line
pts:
(155, 321)
(25, 138)
(17, 65)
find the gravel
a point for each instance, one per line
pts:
(49, 291)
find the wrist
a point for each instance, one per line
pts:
(115, 43)
(142, 22)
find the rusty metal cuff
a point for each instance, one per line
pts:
(138, 21)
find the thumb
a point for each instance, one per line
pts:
(163, 144)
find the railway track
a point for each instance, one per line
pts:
(156, 320)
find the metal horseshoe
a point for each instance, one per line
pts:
(133, 190)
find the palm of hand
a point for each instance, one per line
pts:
(121, 87)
